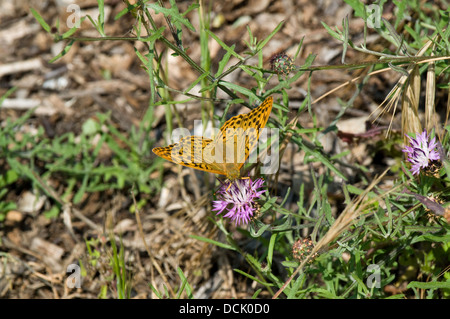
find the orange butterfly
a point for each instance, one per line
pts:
(239, 135)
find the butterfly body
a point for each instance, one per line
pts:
(227, 152)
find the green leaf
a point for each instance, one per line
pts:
(271, 249)
(73, 29)
(41, 20)
(249, 70)
(413, 33)
(130, 8)
(190, 8)
(400, 7)
(101, 16)
(184, 285)
(325, 293)
(264, 42)
(25, 171)
(213, 242)
(224, 61)
(79, 195)
(358, 7)
(432, 238)
(240, 89)
(8, 178)
(287, 224)
(290, 263)
(63, 52)
(230, 50)
(429, 285)
(253, 278)
(53, 212)
(333, 33)
(360, 283)
(155, 35)
(89, 127)
(257, 292)
(323, 160)
(173, 13)
(6, 207)
(345, 27)
(198, 80)
(296, 287)
(300, 45)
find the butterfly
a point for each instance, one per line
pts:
(227, 152)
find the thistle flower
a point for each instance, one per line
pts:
(282, 64)
(422, 153)
(239, 199)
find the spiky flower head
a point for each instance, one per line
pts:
(239, 199)
(421, 153)
(282, 64)
(302, 248)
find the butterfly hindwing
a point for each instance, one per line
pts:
(188, 152)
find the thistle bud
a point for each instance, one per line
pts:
(282, 64)
(302, 248)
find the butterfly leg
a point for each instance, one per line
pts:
(232, 182)
(229, 185)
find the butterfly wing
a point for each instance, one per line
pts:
(241, 133)
(189, 152)
(252, 125)
(247, 125)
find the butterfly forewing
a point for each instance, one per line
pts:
(252, 125)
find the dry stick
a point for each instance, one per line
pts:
(410, 104)
(155, 264)
(350, 213)
(430, 93)
(21, 104)
(20, 66)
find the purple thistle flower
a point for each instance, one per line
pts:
(421, 152)
(239, 199)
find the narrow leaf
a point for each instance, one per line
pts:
(41, 20)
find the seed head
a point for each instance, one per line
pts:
(282, 64)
